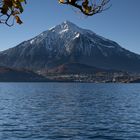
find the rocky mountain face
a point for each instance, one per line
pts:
(68, 44)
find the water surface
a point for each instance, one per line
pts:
(69, 111)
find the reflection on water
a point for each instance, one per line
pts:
(69, 111)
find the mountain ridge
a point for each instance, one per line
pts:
(68, 43)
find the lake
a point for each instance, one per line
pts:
(69, 111)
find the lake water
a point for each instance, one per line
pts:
(69, 111)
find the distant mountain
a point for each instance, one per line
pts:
(66, 44)
(14, 75)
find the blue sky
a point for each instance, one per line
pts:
(120, 23)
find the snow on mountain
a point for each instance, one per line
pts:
(68, 43)
(64, 34)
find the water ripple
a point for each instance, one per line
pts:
(69, 111)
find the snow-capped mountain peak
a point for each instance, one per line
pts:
(63, 39)
(66, 43)
(65, 25)
(68, 26)
(66, 30)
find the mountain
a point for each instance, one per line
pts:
(14, 75)
(73, 68)
(66, 44)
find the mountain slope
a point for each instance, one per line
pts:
(68, 43)
(14, 75)
(73, 68)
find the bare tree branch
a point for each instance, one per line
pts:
(13, 8)
(88, 7)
